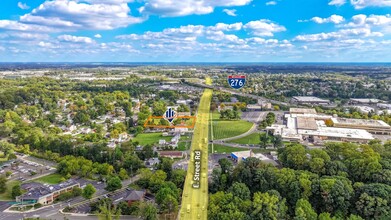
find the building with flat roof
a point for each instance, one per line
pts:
(302, 111)
(365, 101)
(307, 128)
(46, 194)
(309, 100)
(370, 125)
(243, 155)
(254, 108)
(171, 154)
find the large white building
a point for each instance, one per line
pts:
(309, 127)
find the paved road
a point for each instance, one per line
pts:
(219, 88)
(195, 200)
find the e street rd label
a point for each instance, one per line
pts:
(197, 169)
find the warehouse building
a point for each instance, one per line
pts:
(309, 100)
(311, 128)
(372, 126)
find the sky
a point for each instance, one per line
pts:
(195, 31)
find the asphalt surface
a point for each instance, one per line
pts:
(195, 200)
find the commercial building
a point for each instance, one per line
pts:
(302, 111)
(372, 126)
(309, 100)
(46, 194)
(243, 155)
(302, 125)
(171, 154)
(365, 101)
(254, 108)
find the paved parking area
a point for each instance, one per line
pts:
(253, 116)
(24, 170)
(116, 197)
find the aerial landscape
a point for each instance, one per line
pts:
(195, 109)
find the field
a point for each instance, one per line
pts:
(217, 148)
(54, 178)
(150, 138)
(226, 129)
(7, 194)
(250, 139)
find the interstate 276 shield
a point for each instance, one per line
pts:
(236, 82)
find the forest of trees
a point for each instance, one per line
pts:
(343, 181)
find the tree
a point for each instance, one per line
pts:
(88, 191)
(113, 183)
(277, 141)
(372, 207)
(178, 177)
(3, 184)
(240, 190)
(148, 211)
(123, 174)
(226, 166)
(268, 206)
(16, 191)
(293, 156)
(107, 211)
(304, 211)
(264, 140)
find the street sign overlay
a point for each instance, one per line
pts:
(236, 82)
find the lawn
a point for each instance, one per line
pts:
(182, 146)
(54, 178)
(150, 138)
(249, 139)
(217, 148)
(7, 194)
(225, 129)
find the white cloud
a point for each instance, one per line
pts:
(230, 12)
(75, 39)
(74, 15)
(336, 19)
(263, 27)
(362, 20)
(341, 34)
(337, 2)
(186, 7)
(359, 4)
(98, 36)
(271, 3)
(227, 27)
(23, 6)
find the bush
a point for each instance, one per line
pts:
(38, 205)
(76, 191)
(64, 196)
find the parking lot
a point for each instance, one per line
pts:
(116, 197)
(253, 116)
(24, 170)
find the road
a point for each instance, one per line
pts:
(234, 92)
(195, 200)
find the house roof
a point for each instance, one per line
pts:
(136, 195)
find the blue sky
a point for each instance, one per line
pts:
(195, 31)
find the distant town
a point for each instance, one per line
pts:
(80, 141)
